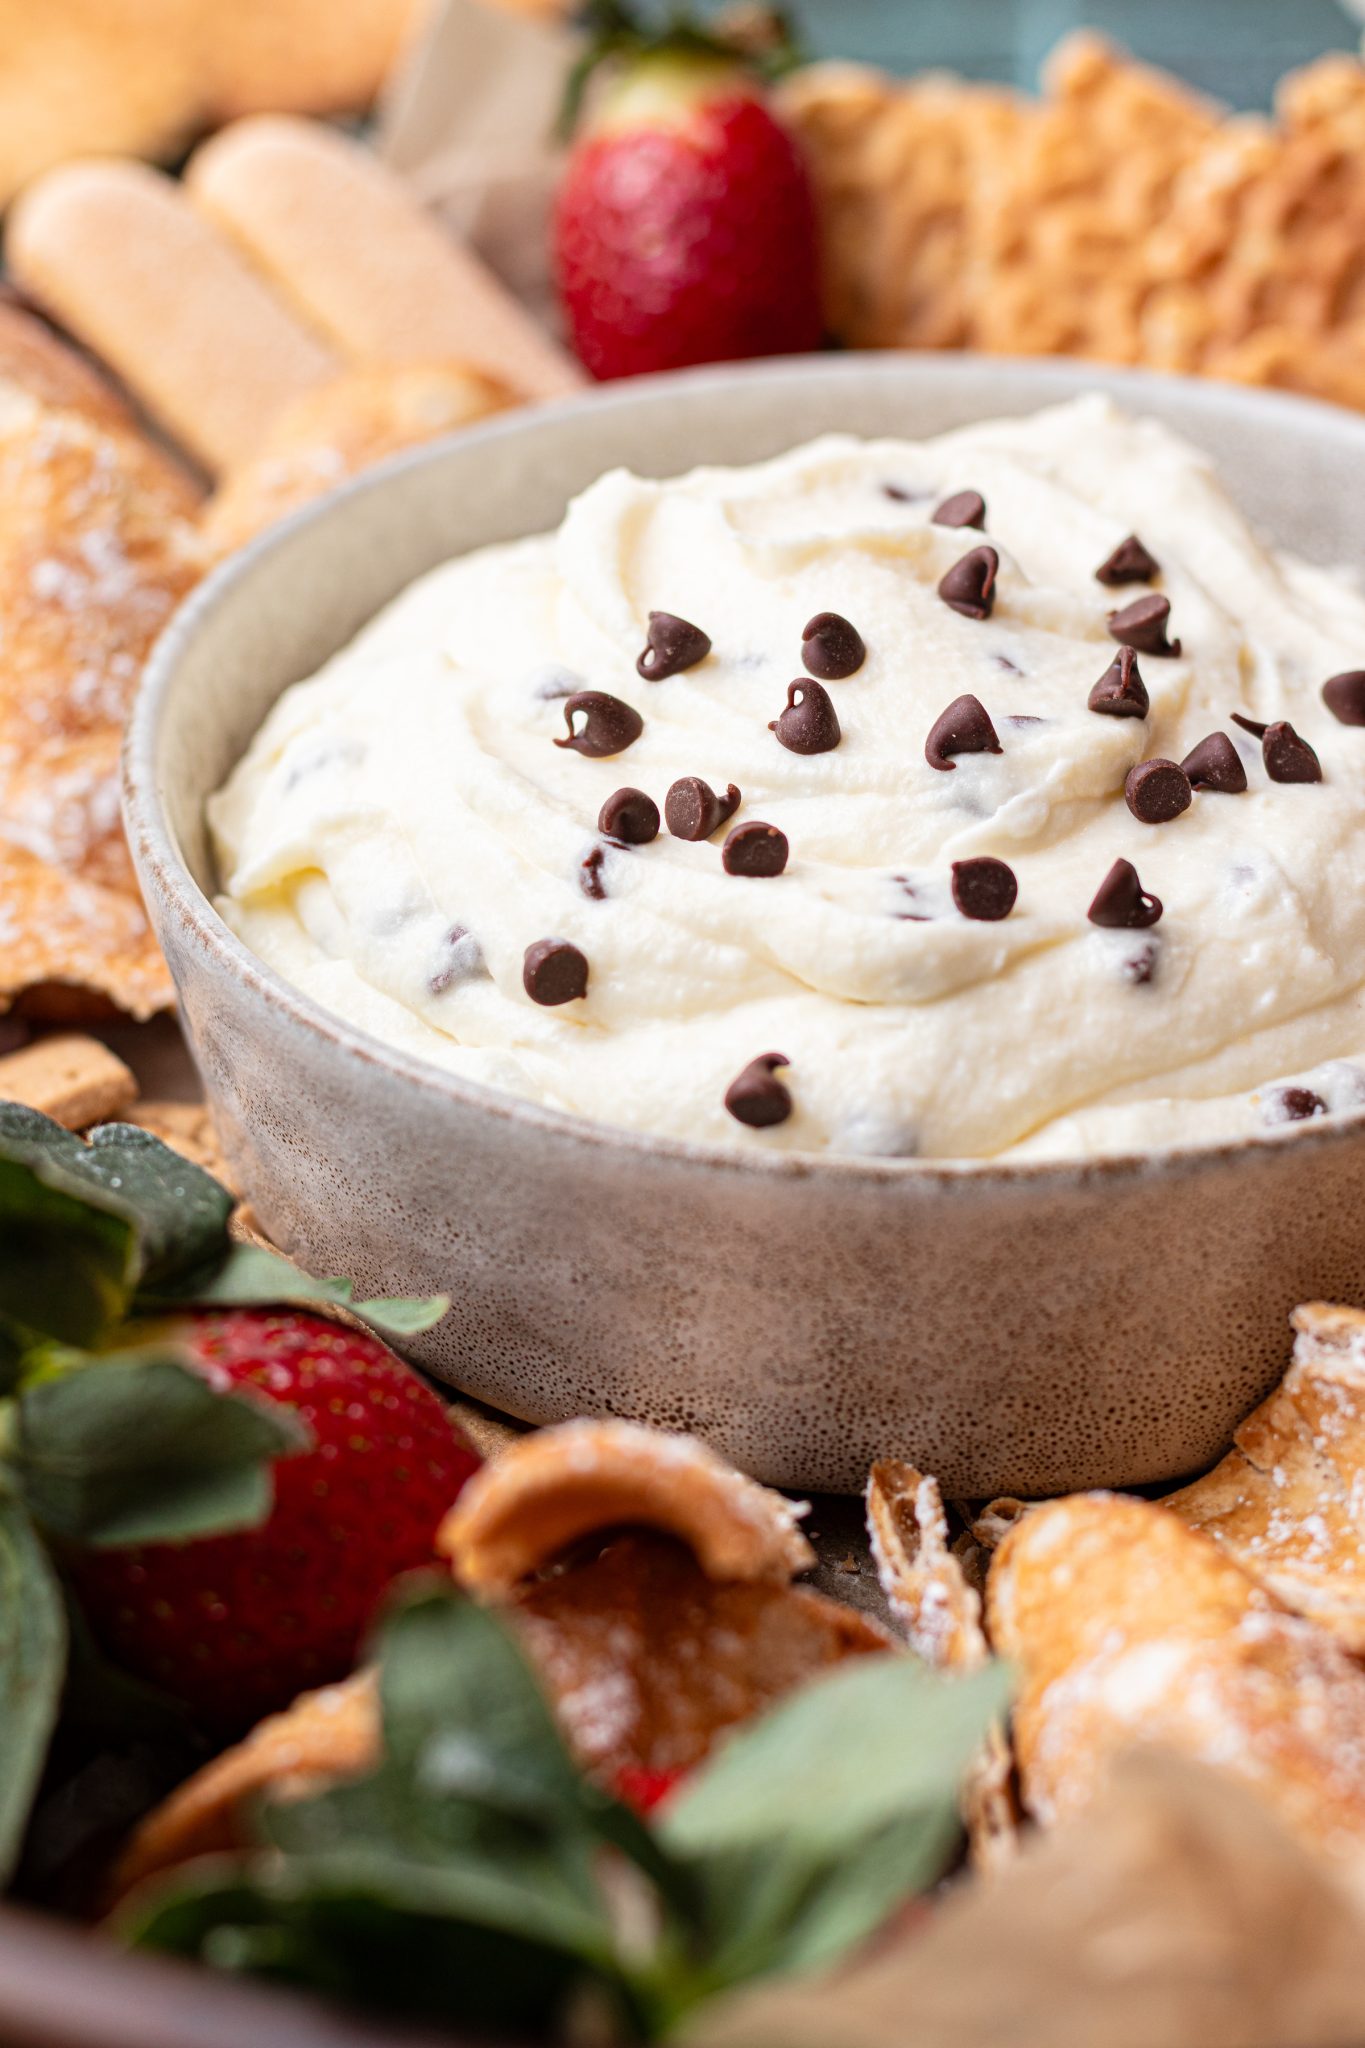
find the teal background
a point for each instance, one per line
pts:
(1233, 48)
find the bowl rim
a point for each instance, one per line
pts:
(163, 870)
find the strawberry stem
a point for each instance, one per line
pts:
(760, 38)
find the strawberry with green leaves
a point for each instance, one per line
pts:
(684, 226)
(225, 1480)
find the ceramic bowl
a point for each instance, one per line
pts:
(1012, 1328)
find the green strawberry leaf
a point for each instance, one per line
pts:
(65, 1269)
(32, 1663)
(475, 1839)
(138, 1447)
(250, 1277)
(878, 1749)
(177, 1212)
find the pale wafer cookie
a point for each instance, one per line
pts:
(348, 248)
(339, 429)
(120, 256)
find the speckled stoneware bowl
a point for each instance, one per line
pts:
(1011, 1328)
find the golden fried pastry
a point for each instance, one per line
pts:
(349, 250)
(1288, 1501)
(649, 1644)
(923, 1579)
(299, 56)
(932, 1590)
(323, 1737)
(97, 547)
(1127, 1628)
(582, 1478)
(336, 431)
(122, 258)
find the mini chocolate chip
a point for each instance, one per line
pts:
(969, 586)
(671, 644)
(1025, 718)
(1121, 903)
(810, 724)
(1344, 696)
(1216, 765)
(1157, 791)
(630, 817)
(1142, 624)
(984, 889)
(608, 726)
(754, 848)
(1120, 691)
(964, 728)
(1141, 964)
(1255, 726)
(964, 508)
(554, 972)
(1003, 661)
(1295, 1105)
(756, 1097)
(831, 647)
(692, 810)
(459, 958)
(902, 496)
(590, 874)
(1129, 563)
(1287, 756)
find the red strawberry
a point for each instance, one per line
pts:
(645, 1789)
(238, 1625)
(684, 228)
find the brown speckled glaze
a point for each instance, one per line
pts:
(1014, 1329)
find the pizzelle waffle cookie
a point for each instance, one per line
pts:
(97, 546)
(1118, 216)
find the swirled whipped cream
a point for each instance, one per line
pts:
(972, 928)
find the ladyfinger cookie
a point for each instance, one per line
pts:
(348, 247)
(120, 256)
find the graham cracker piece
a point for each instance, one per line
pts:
(1288, 1501)
(1128, 1628)
(75, 1080)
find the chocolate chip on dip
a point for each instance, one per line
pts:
(831, 648)
(969, 586)
(671, 644)
(1157, 791)
(1130, 562)
(810, 723)
(692, 810)
(1257, 727)
(590, 875)
(984, 889)
(629, 817)
(1215, 765)
(1121, 903)
(608, 726)
(1120, 691)
(554, 972)
(1287, 756)
(1293, 1106)
(1142, 626)
(756, 1097)
(1344, 696)
(754, 848)
(964, 728)
(964, 508)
